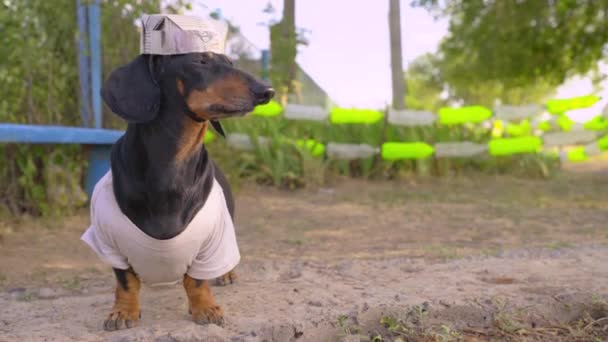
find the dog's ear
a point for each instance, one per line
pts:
(132, 92)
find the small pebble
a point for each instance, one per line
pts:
(315, 303)
(16, 292)
(46, 293)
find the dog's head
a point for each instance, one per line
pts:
(205, 85)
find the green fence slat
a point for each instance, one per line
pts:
(560, 106)
(509, 146)
(209, 136)
(577, 154)
(470, 114)
(519, 130)
(598, 123)
(398, 150)
(353, 116)
(316, 148)
(272, 108)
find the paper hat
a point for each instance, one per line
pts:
(168, 34)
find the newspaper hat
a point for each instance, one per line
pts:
(168, 34)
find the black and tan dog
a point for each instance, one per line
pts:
(162, 173)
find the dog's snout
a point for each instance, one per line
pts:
(263, 95)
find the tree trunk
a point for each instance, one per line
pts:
(283, 51)
(394, 23)
(289, 27)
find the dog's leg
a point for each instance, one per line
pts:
(202, 306)
(126, 312)
(226, 279)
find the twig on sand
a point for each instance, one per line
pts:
(595, 322)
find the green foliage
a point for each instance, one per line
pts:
(284, 41)
(41, 180)
(39, 83)
(283, 57)
(38, 64)
(433, 81)
(520, 43)
(423, 84)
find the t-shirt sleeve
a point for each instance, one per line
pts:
(99, 238)
(219, 254)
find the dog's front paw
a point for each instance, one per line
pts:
(207, 315)
(122, 317)
(228, 278)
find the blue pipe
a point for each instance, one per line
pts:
(95, 43)
(83, 64)
(265, 64)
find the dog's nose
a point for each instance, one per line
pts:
(264, 96)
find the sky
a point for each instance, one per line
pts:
(349, 54)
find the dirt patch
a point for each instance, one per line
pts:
(475, 259)
(360, 298)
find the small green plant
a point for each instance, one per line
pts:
(447, 334)
(347, 327)
(396, 326)
(3, 279)
(27, 297)
(73, 283)
(557, 245)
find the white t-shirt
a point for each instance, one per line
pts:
(206, 249)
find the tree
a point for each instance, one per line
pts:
(424, 84)
(39, 69)
(394, 22)
(428, 77)
(516, 43)
(284, 42)
(38, 83)
(283, 50)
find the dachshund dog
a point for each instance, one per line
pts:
(164, 211)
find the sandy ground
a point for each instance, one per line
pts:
(476, 258)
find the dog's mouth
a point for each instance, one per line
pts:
(224, 110)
